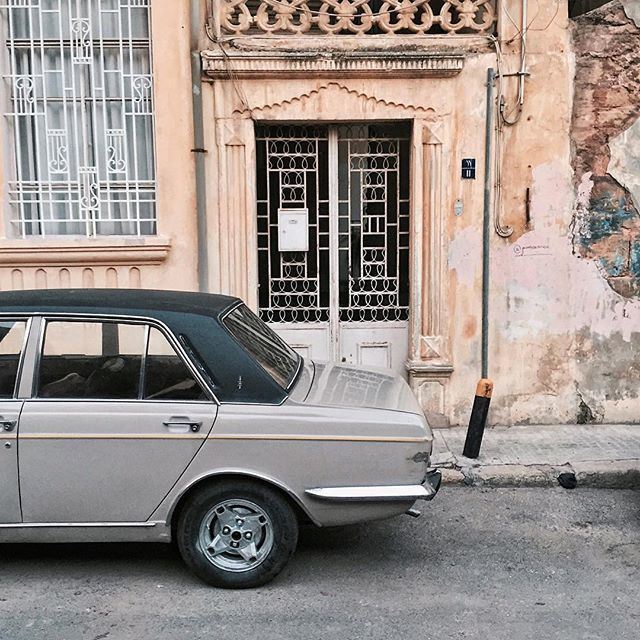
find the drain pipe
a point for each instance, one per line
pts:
(486, 222)
(198, 146)
(484, 389)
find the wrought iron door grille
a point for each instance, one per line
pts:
(80, 112)
(292, 173)
(373, 193)
(370, 238)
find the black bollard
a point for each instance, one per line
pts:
(478, 418)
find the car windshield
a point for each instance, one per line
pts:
(275, 356)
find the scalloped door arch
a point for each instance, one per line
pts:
(333, 101)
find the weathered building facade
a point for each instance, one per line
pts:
(326, 162)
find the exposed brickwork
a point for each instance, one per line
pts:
(607, 84)
(606, 103)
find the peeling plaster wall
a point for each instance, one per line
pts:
(532, 327)
(606, 141)
(565, 290)
(606, 222)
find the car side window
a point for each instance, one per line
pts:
(12, 333)
(166, 375)
(99, 360)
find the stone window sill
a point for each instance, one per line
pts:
(107, 251)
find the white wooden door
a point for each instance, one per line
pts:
(340, 290)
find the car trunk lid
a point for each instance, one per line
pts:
(351, 386)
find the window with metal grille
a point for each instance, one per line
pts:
(79, 112)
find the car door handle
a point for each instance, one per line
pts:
(193, 425)
(8, 425)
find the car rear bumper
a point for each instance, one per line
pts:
(384, 493)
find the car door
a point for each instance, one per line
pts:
(117, 415)
(12, 342)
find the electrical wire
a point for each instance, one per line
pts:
(237, 86)
(501, 121)
(503, 113)
(549, 23)
(529, 27)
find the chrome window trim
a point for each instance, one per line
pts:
(101, 317)
(118, 400)
(21, 356)
(23, 349)
(28, 370)
(143, 362)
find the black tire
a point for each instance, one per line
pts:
(282, 522)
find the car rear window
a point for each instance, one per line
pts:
(274, 355)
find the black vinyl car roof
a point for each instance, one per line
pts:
(116, 301)
(235, 375)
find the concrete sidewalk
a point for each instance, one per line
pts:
(541, 455)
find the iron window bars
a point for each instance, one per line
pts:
(79, 109)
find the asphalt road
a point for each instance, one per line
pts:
(496, 564)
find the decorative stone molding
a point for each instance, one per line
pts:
(217, 64)
(234, 208)
(36, 252)
(429, 353)
(432, 348)
(338, 17)
(429, 382)
(430, 370)
(342, 99)
(433, 294)
(72, 276)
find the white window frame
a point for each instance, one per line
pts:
(80, 127)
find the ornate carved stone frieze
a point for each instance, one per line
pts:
(355, 17)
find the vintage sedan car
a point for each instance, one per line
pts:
(159, 416)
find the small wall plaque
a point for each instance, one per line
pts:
(468, 168)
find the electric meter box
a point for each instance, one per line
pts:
(293, 230)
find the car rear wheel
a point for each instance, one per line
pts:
(237, 534)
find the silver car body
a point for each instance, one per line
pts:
(347, 444)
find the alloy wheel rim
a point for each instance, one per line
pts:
(236, 535)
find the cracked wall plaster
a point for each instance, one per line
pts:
(632, 9)
(624, 165)
(606, 142)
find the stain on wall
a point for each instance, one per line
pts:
(608, 231)
(606, 117)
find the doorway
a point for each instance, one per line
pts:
(333, 239)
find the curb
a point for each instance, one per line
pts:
(615, 474)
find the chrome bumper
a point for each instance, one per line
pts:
(425, 491)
